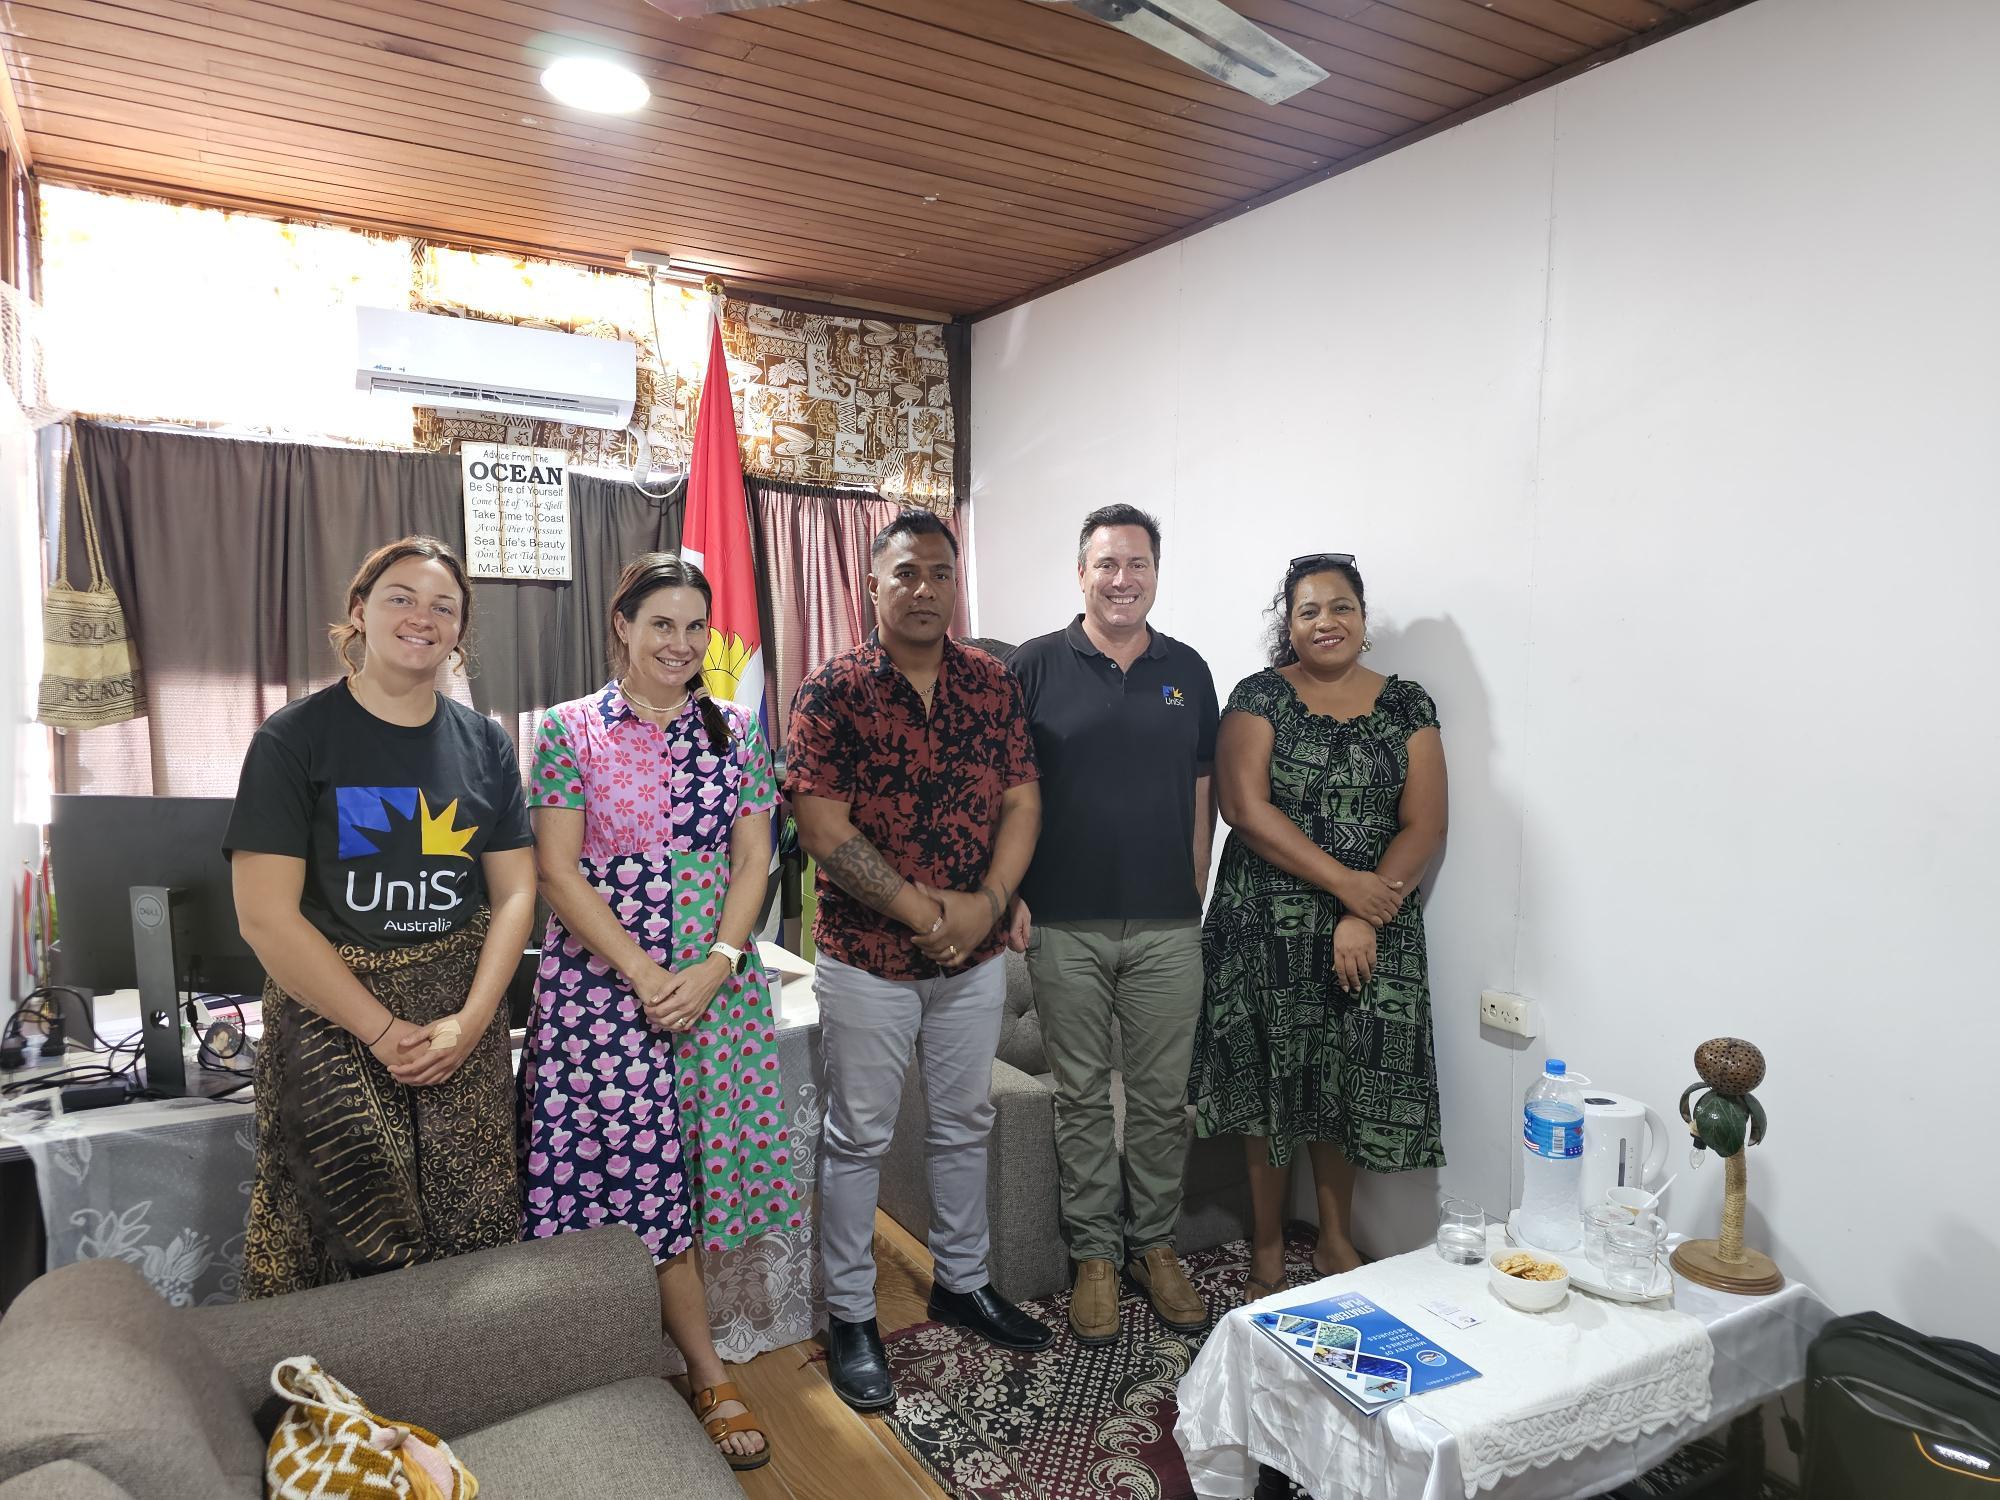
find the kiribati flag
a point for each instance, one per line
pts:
(716, 538)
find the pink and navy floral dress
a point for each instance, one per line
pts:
(683, 1136)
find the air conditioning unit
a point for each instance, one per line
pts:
(427, 360)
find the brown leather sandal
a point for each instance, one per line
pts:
(706, 1400)
(1260, 1286)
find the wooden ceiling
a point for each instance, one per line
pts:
(940, 156)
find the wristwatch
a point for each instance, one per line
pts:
(738, 959)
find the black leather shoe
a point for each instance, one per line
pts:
(992, 1317)
(857, 1366)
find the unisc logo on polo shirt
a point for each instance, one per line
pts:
(396, 840)
(1172, 696)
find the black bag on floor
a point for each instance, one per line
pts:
(1891, 1413)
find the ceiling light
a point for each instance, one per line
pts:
(595, 84)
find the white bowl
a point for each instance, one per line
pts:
(1528, 1296)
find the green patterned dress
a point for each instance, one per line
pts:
(1280, 1051)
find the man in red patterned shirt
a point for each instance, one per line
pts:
(912, 775)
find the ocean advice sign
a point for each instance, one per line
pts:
(516, 512)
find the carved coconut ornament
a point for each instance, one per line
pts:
(1727, 1120)
(1729, 1065)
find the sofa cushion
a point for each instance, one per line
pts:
(65, 1479)
(1020, 1028)
(560, 1315)
(633, 1437)
(94, 1366)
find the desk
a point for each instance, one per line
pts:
(1246, 1402)
(165, 1185)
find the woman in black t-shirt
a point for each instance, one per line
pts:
(385, 877)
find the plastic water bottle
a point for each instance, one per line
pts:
(1552, 1160)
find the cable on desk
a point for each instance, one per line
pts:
(62, 1078)
(44, 1014)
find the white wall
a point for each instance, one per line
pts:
(1660, 409)
(24, 760)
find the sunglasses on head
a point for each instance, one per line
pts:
(1326, 559)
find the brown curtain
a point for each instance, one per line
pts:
(232, 557)
(813, 542)
(958, 364)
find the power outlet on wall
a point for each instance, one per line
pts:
(1516, 1014)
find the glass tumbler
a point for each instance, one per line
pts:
(1631, 1258)
(1600, 1221)
(1461, 1232)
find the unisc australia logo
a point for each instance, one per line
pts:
(378, 826)
(1172, 696)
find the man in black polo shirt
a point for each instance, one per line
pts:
(1110, 912)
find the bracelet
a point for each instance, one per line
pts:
(385, 1031)
(907, 885)
(993, 896)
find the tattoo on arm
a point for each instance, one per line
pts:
(858, 868)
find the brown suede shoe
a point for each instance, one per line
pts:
(1175, 1301)
(1093, 1303)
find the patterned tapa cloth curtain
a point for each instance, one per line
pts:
(812, 543)
(843, 401)
(825, 400)
(233, 556)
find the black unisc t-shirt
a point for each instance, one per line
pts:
(1120, 753)
(390, 819)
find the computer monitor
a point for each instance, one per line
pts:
(100, 847)
(143, 901)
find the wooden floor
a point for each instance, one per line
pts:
(821, 1449)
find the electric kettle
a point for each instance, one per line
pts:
(1624, 1145)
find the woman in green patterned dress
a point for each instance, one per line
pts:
(1316, 1016)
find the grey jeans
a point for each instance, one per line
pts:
(868, 1027)
(1144, 978)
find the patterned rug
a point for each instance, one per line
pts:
(1069, 1421)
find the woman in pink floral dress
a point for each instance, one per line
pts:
(649, 1089)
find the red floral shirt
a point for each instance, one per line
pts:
(925, 790)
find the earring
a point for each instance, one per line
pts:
(1367, 644)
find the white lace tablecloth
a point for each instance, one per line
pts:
(165, 1185)
(1570, 1403)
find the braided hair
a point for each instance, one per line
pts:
(644, 576)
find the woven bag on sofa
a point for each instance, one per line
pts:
(328, 1446)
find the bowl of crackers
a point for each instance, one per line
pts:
(1525, 1279)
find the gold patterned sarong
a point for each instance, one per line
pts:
(357, 1173)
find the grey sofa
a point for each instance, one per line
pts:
(541, 1364)
(1029, 1257)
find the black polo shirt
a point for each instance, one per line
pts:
(1119, 753)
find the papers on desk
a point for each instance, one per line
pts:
(1371, 1359)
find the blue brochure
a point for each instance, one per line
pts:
(1372, 1359)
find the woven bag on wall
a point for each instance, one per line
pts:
(90, 667)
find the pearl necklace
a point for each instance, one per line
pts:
(637, 702)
